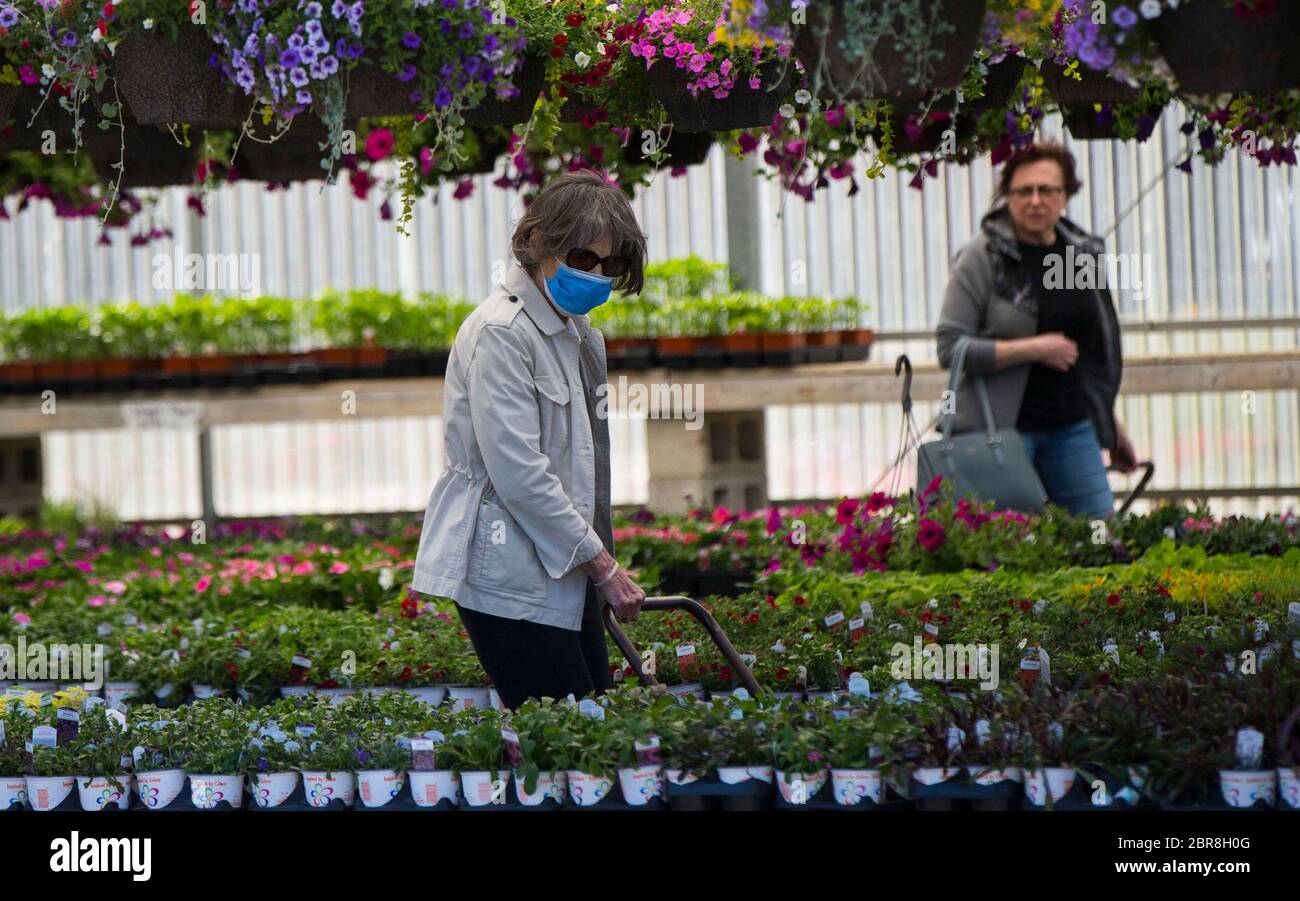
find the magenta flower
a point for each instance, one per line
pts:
(203, 584)
(931, 535)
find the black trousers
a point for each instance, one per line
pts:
(529, 660)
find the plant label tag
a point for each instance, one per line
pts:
(164, 690)
(1111, 650)
(1039, 606)
(1045, 662)
(685, 655)
(1295, 648)
(867, 612)
(749, 659)
(1055, 734)
(510, 745)
(856, 627)
(422, 755)
(1293, 612)
(931, 631)
(859, 686)
(1229, 662)
(243, 653)
(45, 737)
(834, 619)
(1261, 631)
(2, 733)
(617, 675)
(103, 630)
(305, 730)
(956, 738)
(647, 752)
(982, 732)
(1250, 746)
(67, 723)
(130, 619)
(801, 680)
(1170, 616)
(302, 662)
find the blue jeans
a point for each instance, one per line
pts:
(1070, 465)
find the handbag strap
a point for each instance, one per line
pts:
(981, 393)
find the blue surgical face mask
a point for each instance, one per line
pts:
(576, 292)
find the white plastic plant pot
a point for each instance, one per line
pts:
(641, 784)
(1056, 780)
(295, 691)
(680, 777)
(549, 785)
(464, 697)
(99, 792)
(822, 695)
(851, 786)
(116, 693)
(207, 791)
(482, 788)
(586, 790)
(433, 695)
(1288, 788)
(321, 787)
(494, 698)
(430, 787)
(48, 792)
(1243, 788)
(798, 788)
(203, 692)
(933, 775)
(734, 775)
(688, 688)
(159, 788)
(983, 776)
(1137, 775)
(377, 691)
(13, 790)
(378, 787)
(272, 789)
(38, 685)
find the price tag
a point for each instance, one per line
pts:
(1261, 630)
(982, 732)
(1229, 662)
(1045, 661)
(859, 686)
(1170, 616)
(856, 627)
(164, 690)
(931, 631)
(1039, 606)
(1111, 650)
(510, 744)
(305, 730)
(647, 752)
(243, 653)
(834, 619)
(867, 612)
(301, 661)
(956, 738)
(45, 737)
(801, 680)
(749, 659)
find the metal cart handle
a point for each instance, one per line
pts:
(695, 609)
(1148, 468)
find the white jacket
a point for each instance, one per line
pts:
(511, 517)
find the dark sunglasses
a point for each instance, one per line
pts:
(614, 266)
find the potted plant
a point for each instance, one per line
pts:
(477, 750)
(272, 769)
(591, 755)
(384, 762)
(640, 766)
(1052, 730)
(159, 757)
(865, 749)
(50, 783)
(540, 777)
(432, 786)
(900, 49)
(800, 754)
(102, 749)
(1216, 47)
(327, 769)
(938, 752)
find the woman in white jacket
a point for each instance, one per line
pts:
(518, 528)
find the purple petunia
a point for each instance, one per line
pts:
(1124, 17)
(411, 40)
(442, 98)
(408, 73)
(289, 58)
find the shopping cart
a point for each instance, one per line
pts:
(695, 609)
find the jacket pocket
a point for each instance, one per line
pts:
(553, 410)
(503, 559)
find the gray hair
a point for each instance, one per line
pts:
(576, 209)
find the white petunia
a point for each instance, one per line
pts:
(1149, 8)
(802, 96)
(786, 111)
(582, 59)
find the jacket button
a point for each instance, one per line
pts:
(514, 299)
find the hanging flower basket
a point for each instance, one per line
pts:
(1092, 87)
(171, 81)
(529, 79)
(296, 156)
(745, 107)
(1086, 123)
(491, 145)
(887, 72)
(154, 159)
(999, 86)
(51, 117)
(682, 149)
(914, 133)
(1213, 50)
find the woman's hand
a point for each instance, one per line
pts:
(1056, 351)
(1124, 457)
(620, 592)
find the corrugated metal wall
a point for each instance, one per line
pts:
(1224, 243)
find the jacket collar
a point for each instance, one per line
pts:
(539, 309)
(1002, 234)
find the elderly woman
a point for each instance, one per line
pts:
(1049, 352)
(518, 529)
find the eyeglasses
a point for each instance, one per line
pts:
(614, 266)
(1049, 192)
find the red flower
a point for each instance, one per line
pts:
(1025, 605)
(404, 675)
(575, 19)
(233, 672)
(771, 602)
(1112, 600)
(845, 510)
(1103, 679)
(557, 52)
(800, 601)
(753, 619)
(560, 40)
(782, 672)
(931, 535)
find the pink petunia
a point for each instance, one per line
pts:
(338, 568)
(97, 601)
(117, 586)
(203, 584)
(22, 618)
